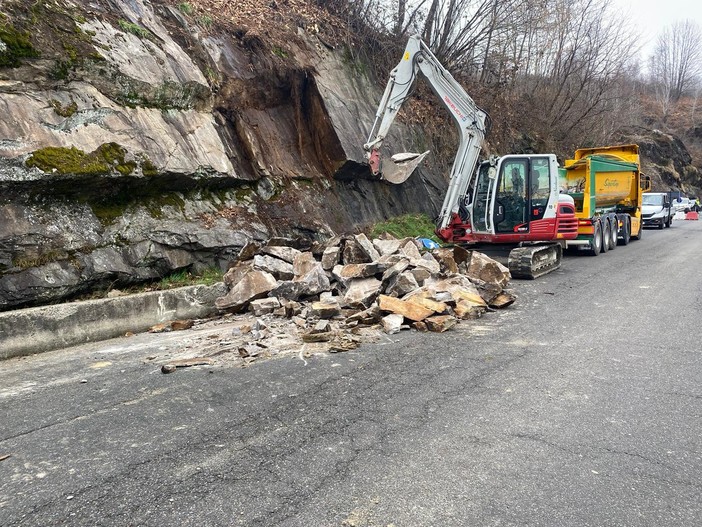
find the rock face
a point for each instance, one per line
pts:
(135, 142)
(666, 160)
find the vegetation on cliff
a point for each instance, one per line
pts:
(103, 160)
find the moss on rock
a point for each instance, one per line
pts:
(15, 46)
(63, 111)
(105, 159)
(67, 161)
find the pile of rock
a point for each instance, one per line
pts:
(328, 290)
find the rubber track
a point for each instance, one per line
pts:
(534, 261)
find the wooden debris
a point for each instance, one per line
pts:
(186, 363)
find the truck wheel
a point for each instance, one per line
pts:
(605, 235)
(661, 225)
(669, 222)
(626, 232)
(613, 228)
(596, 242)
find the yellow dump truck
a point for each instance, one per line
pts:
(606, 185)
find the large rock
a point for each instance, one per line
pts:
(303, 263)
(402, 284)
(387, 247)
(441, 323)
(288, 290)
(411, 250)
(362, 292)
(488, 270)
(314, 281)
(446, 260)
(367, 247)
(457, 286)
(394, 270)
(465, 309)
(406, 308)
(353, 252)
(283, 252)
(324, 309)
(281, 269)
(330, 257)
(392, 323)
(236, 272)
(431, 266)
(264, 306)
(254, 284)
(440, 308)
(420, 275)
(363, 270)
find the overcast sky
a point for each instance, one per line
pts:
(653, 15)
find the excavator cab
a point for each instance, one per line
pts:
(511, 194)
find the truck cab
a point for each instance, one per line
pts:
(657, 209)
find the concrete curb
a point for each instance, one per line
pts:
(39, 329)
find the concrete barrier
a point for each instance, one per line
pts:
(39, 329)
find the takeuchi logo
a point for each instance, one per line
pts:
(455, 108)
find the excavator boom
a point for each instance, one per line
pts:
(470, 120)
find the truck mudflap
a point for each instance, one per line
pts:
(533, 261)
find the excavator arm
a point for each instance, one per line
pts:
(469, 119)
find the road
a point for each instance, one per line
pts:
(581, 405)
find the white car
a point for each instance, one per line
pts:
(683, 204)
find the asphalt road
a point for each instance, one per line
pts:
(581, 405)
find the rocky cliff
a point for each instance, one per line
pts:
(138, 138)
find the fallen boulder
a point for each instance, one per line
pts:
(252, 285)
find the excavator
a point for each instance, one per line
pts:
(511, 201)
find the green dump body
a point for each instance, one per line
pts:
(603, 179)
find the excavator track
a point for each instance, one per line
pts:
(533, 261)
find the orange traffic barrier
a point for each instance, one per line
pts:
(692, 215)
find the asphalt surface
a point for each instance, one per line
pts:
(581, 405)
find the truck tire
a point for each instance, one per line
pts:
(606, 230)
(626, 232)
(669, 222)
(613, 228)
(596, 242)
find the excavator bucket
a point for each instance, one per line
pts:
(399, 168)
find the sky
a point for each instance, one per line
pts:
(651, 16)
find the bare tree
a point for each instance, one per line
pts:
(570, 56)
(558, 70)
(461, 32)
(676, 62)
